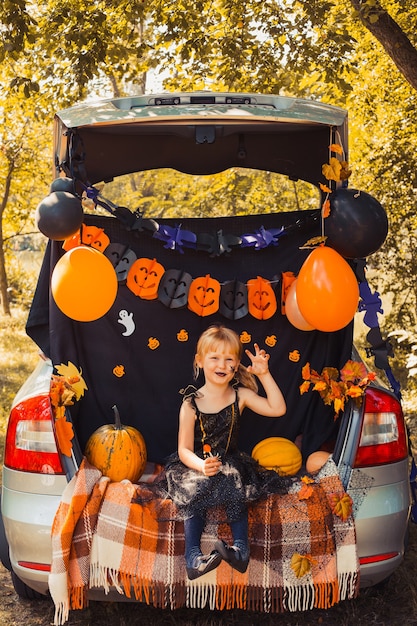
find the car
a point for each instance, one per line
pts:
(135, 349)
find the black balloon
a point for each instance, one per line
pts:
(357, 225)
(63, 183)
(59, 215)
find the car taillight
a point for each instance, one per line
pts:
(383, 433)
(30, 441)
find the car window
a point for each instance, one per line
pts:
(237, 191)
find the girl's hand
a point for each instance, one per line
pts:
(259, 361)
(211, 465)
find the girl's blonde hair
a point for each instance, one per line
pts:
(209, 341)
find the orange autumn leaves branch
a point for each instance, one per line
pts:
(336, 170)
(66, 386)
(336, 387)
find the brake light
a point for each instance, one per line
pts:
(383, 433)
(30, 441)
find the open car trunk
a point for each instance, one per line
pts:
(140, 354)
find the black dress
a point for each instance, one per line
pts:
(241, 479)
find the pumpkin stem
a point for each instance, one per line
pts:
(117, 421)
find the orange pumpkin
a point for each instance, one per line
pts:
(279, 454)
(204, 295)
(316, 460)
(118, 451)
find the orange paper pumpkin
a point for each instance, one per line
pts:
(327, 290)
(144, 277)
(94, 237)
(262, 303)
(84, 284)
(204, 295)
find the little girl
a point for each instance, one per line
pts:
(209, 470)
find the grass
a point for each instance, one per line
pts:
(394, 603)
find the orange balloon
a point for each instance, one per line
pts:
(327, 290)
(84, 284)
(292, 309)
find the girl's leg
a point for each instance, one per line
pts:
(240, 536)
(197, 564)
(193, 529)
(237, 555)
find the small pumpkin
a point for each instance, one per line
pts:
(316, 460)
(118, 451)
(279, 454)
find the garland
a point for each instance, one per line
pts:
(175, 288)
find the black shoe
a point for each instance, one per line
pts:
(203, 564)
(233, 556)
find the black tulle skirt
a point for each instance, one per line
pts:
(240, 481)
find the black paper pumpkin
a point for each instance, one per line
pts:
(173, 288)
(125, 263)
(233, 300)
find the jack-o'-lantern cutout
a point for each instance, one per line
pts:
(94, 237)
(245, 337)
(72, 242)
(114, 252)
(144, 277)
(287, 280)
(233, 300)
(173, 288)
(294, 356)
(182, 335)
(204, 295)
(262, 302)
(125, 262)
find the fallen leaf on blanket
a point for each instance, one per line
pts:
(301, 564)
(341, 505)
(306, 488)
(64, 433)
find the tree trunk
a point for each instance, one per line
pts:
(4, 294)
(392, 38)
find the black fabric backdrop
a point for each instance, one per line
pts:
(147, 395)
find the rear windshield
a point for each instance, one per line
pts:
(238, 191)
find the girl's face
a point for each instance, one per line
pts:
(219, 365)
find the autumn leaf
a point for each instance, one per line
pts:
(304, 387)
(331, 170)
(352, 371)
(345, 172)
(64, 433)
(74, 378)
(325, 209)
(336, 147)
(301, 564)
(325, 188)
(305, 372)
(306, 490)
(341, 505)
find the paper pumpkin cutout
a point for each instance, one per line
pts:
(94, 237)
(287, 280)
(144, 277)
(262, 302)
(233, 300)
(124, 264)
(204, 295)
(173, 288)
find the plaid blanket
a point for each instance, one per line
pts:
(303, 549)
